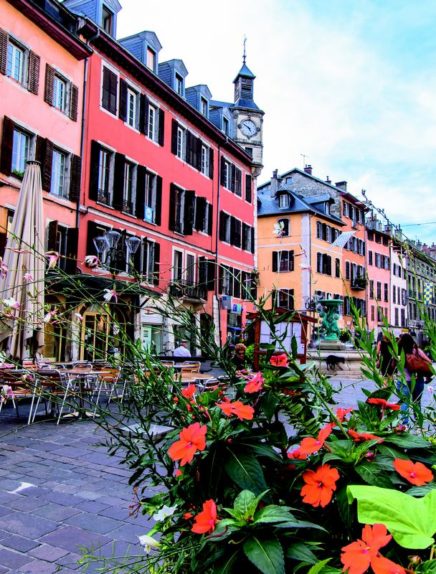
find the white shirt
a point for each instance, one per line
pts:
(181, 352)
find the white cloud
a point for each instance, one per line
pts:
(328, 89)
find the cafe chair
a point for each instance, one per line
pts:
(190, 367)
(108, 380)
(53, 389)
(16, 386)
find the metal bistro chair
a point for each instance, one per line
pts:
(53, 389)
(17, 385)
(190, 367)
(108, 380)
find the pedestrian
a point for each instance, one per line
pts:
(182, 351)
(416, 365)
(239, 359)
(385, 361)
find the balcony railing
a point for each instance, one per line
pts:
(188, 291)
(359, 283)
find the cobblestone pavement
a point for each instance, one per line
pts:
(60, 492)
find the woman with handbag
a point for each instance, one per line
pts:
(416, 366)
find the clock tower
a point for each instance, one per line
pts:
(247, 117)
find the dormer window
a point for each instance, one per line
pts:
(151, 59)
(284, 200)
(179, 85)
(107, 20)
(203, 106)
(226, 126)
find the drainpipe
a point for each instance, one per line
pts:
(83, 123)
(217, 216)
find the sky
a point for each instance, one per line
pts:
(348, 86)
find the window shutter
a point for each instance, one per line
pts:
(200, 213)
(158, 204)
(235, 227)
(105, 91)
(252, 240)
(248, 184)
(174, 127)
(92, 232)
(202, 271)
(52, 236)
(223, 171)
(199, 145)
(232, 177)
(156, 264)
(120, 162)
(7, 143)
(34, 65)
(245, 236)
(172, 213)
(113, 92)
(94, 168)
(72, 244)
(211, 163)
(118, 262)
(328, 265)
(189, 212)
(74, 103)
(76, 171)
(291, 261)
(253, 288)
(238, 182)
(221, 279)
(161, 135)
(122, 112)
(140, 192)
(223, 224)
(237, 283)
(143, 114)
(47, 165)
(49, 79)
(40, 150)
(210, 219)
(319, 262)
(189, 148)
(275, 259)
(211, 270)
(3, 51)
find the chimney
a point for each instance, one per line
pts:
(341, 185)
(308, 169)
(328, 180)
(274, 183)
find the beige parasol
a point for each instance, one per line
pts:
(22, 281)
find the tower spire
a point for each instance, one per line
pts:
(244, 54)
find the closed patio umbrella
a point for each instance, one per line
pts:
(22, 280)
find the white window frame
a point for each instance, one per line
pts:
(150, 59)
(284, 200)
(61, 93)
(16, 50)
(149, 256)
(20, 156)
(59, 185)
(179, 276)
(132, 115)
(153, 122)
(106, 166)
(150, 193)
(181, 142)
(129, 191)
(190, 270)
(205, 155)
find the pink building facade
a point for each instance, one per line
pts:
(379, 275)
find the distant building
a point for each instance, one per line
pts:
(379, 273)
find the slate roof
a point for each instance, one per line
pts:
(267, 205)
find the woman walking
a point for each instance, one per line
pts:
(415, 367)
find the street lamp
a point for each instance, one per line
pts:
(106, 245)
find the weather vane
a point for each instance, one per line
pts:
(244, 55)
(304, 158)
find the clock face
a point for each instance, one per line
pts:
(248, 128)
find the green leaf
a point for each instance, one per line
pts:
(419, 491)
(373, 474)
(269, 403)
(391, 452)
(428, 567)
(246, 471)
(246, 503)
(299, 524)
(408, 441)
(301, 552)
(319, 568)
(410, 520)
(266, 554)
(227, 566)
(262, 450)
(273, 513)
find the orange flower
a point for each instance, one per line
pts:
(384, 404)
(358, 556)
(255, 384)
(189, 392)
(192, 439)
(309, 445)
(320, 485)
(362, 436)
(342, 413)
(415, 472)
(205, 520)
(279, 360)
(243, 412)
